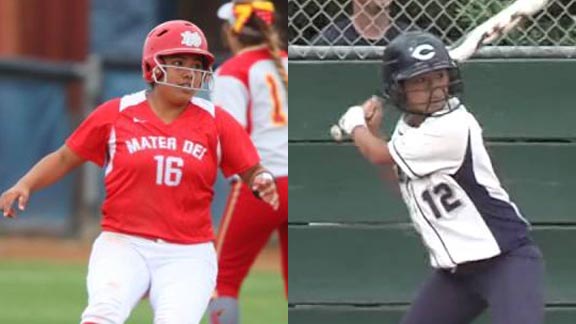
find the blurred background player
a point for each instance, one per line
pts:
(160, 149)
(253, 87)
(479, 243)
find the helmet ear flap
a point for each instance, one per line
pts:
(205, 63)
(392, 90)
(396, 95)
(456, 86)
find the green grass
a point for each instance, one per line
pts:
(49, 293)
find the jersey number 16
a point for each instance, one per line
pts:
(168, 170)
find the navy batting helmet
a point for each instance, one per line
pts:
(412, 54)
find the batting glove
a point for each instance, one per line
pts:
(353, 118)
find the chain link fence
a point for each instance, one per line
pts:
(358, 29)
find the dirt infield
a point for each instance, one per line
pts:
(77, 251)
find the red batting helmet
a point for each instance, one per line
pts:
(174, 37)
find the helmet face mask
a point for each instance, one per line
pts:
(197, 79)
(176, 37)
(401, 97)
(409, 57)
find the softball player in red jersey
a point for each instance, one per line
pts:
(253, 87)
(160, 149)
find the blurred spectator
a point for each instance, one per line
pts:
(368, 24)
(371, 18)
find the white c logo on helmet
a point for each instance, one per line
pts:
(423, 52)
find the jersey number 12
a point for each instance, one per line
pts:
(446, 197)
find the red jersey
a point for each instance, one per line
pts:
(159, 177)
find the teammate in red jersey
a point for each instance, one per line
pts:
(253, 87)
(161, 149)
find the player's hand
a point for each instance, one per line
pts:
(352, 118)
(373, 112)
(264, 186)
(19, 194)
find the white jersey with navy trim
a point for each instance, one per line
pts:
(454, 198)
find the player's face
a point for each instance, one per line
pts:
(428, 92)
(184, 70)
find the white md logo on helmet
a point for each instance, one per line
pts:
(423, 52)
(191, 39)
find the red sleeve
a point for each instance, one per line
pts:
(90, 139)
(238, 151)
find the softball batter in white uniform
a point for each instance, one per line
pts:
(479, 243)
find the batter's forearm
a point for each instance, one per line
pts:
(373, 148)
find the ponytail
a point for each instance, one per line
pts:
(273, 43)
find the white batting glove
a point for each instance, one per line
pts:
(353, 118)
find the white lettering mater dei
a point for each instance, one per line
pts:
(194, 149)
(151, 142)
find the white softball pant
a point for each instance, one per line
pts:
(179, 279)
